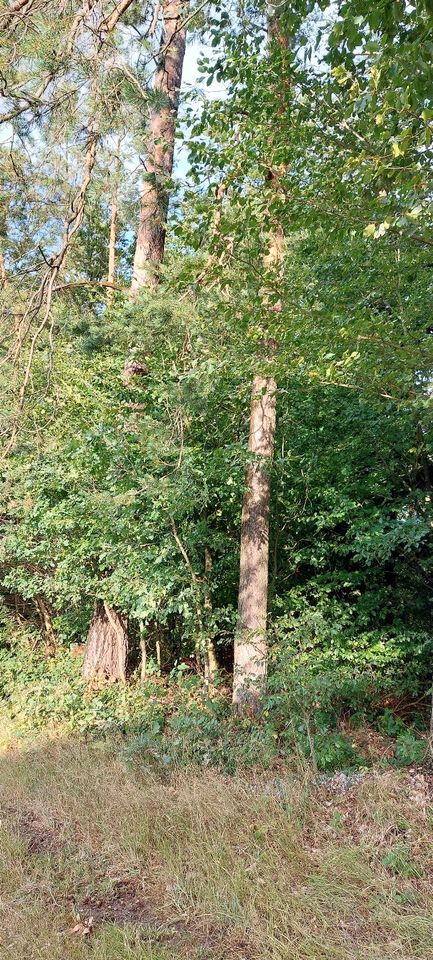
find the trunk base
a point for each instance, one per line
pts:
(107, 645)
(249, 676)
(250, 653)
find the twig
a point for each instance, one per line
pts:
(195, 579)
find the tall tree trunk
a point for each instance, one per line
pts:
(107, 645)
(250, 648)
(149, 250)
(250, 655)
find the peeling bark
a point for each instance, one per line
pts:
(107, 645)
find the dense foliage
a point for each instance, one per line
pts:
(129, 488)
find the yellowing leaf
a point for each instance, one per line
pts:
(415, 212)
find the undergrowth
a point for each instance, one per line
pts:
(171, 723)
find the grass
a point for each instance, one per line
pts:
(100, 860)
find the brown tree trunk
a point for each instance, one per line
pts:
(47, 626)
(250, 659)
(107, 645)
(3, 274)
(251, 649)
(149, 250)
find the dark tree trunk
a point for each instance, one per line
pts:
(149, 250)
(107, 645)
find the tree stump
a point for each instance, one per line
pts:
(107, 645)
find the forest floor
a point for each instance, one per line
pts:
(101, 860)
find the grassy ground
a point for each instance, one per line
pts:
(101, 861)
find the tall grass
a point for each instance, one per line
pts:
(200, 865)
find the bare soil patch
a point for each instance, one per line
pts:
(39, 837)
(125, 903)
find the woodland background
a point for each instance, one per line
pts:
(290, 247)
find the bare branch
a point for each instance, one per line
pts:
(111, 22)
(195, 579)
(45, 292)
(76, 284)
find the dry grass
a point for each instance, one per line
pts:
(205, 866)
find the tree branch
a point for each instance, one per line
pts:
(46, 288)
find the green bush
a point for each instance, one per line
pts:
(170, 722)
(409, 749)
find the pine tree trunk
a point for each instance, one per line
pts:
(149, 250)
(250, 657)
(107, 645)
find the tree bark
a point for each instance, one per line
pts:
(251, 649)
(149, 250)
(107, 645)
(250, 655)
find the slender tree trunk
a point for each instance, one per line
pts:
(149, 250)
(143, 651)
(106, 650)
(251, 649)
(112, 245)
(107, 645)
(210, 660)
(250, 660)
(3, 274)
(211, 664)
(47, 626)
